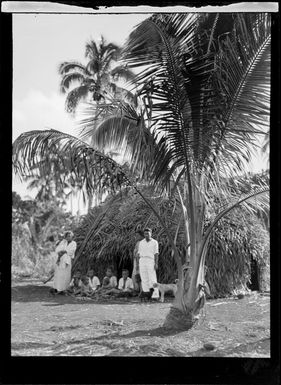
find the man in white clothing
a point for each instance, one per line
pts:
(148, 252)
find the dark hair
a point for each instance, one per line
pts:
(125, 270)
(110, 268)
(147, 229)
(69, 232)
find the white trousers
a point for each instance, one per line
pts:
(148, 275)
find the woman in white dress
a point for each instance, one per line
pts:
(65, 252)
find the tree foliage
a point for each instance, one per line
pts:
(204, 96)
(95, 79)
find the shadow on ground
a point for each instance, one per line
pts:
(104, 339)
(29, 345)
(41, 293)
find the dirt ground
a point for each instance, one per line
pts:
(43, 325)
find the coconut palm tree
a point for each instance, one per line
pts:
(190, 132)
(206, 87)
(96, 78)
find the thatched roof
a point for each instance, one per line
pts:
(107, 236)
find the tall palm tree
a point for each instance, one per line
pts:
(96, 78)
(192, 128)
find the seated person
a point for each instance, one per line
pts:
(125, 285)
(93, 279)
(75, 284)
(109, 280)
(86, 288)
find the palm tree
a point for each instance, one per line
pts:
(96, 78)
(190, 132)
(206, 88)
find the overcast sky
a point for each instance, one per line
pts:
(40, 43)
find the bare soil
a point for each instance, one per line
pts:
(44, 325)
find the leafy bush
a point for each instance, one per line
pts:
(35, 229)
(23, 253)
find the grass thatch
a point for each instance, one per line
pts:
(107, 236)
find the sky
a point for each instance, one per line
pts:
(40, 43)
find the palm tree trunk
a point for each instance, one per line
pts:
(190, 297)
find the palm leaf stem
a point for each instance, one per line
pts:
(220, 216)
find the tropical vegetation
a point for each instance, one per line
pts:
(201, 98)
(35, 227)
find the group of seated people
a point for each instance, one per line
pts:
(89, 285)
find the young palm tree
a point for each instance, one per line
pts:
(206, 87)
(192, 129)
(95, 79)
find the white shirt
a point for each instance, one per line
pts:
(94, 282)
(148, 249)
(70, 249)
(128, 284)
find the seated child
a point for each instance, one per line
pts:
(93, 279)
(109, 280)
(86, 288)
(125, 283)
(75, 284)
(125, 286)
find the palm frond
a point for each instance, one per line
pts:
(70, 78)
(188, 90)
(122, 72)
(75, 96)
(91, 50)
(266, 143)
(95, 169)
(257, 200)
(73, 66)
(245, 73)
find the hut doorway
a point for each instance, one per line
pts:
(123, 264)
(254, 284)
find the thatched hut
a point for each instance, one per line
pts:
(238, 250)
